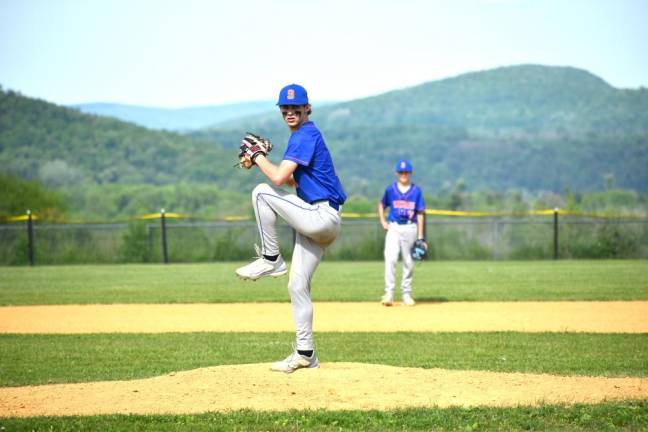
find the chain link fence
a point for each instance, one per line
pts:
(493, 238)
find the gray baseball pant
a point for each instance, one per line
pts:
(316, 225)
(399, 239)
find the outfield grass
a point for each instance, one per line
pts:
(334, 281)
(42, 359)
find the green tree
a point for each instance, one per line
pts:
(18, 195)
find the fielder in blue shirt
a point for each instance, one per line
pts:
(404, 225)
(314, 213)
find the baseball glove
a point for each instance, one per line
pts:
(252, 146)
(419, 250)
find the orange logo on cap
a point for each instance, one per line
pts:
(291, 94)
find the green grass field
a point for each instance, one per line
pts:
(333, 281)
(39, 359)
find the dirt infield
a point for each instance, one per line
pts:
(338, 386)
(335, 386)
(595, 317)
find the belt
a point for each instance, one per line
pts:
(332, 203)
(407, 222)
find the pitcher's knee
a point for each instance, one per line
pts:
(259, 189)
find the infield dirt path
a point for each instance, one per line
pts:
(347, 386)
(595, 317)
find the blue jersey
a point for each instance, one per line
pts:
(315, 173)
(403, 206)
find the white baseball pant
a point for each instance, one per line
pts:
(399, 239)
(316, 225)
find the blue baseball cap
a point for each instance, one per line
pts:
(404, 166)
(293, 94)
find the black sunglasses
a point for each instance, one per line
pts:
(297, 113)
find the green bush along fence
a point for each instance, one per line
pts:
(469, 238)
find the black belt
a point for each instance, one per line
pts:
(332, 203)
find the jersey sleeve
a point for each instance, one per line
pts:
(300, 149)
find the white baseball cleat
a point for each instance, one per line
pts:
(261, 267)
(408, 300)
(295, 361)
(387, 300)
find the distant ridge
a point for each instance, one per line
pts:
(63, 147)
(180, 119)
(176, 119)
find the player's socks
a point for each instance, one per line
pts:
(272, 258)
(305, 353)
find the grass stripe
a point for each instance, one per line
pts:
(617, 416)
(334, 281)
(40, 359)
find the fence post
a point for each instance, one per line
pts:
(164, 237)
(30, 238)
(555, 237)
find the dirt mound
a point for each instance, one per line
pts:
(335, 386)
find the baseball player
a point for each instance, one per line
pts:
(404, 225)
(314, 213)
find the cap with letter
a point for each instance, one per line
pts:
(293, 94)
(404, 166)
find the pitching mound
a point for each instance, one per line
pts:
(335, 386)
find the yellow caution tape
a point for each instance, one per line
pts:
(545, 212)
(159, 215)
(351, 215)
(433, 212)
(463, 213)
(21, 218)
(237, 218)
(359, 215)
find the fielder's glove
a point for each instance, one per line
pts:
(419, 250)
(252, 146)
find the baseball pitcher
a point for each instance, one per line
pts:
(314, 213)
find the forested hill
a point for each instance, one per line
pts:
(62, 147)
(526, 127)
(529, 127)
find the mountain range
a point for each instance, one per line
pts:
(528, 127)
(176, 119)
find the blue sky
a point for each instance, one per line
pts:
(176, 53)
